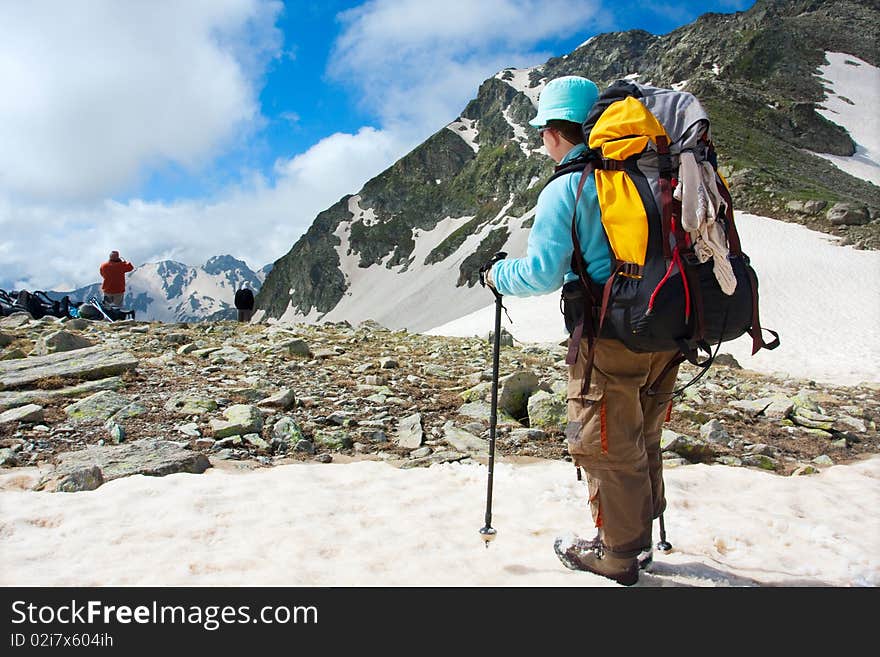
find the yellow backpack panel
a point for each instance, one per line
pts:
(624, 130)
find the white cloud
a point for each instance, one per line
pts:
(92, 93)
(94, 98)
(51, 247)
(419, 64)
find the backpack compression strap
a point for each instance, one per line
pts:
(733, 239)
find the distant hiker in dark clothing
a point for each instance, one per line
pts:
(113, 272)
(244, 302)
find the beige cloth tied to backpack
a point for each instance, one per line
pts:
(700, 203)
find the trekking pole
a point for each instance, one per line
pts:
(97, 304)
(487, 533)
(663, 545)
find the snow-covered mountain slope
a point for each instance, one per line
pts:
(790, 91)
(852, 96)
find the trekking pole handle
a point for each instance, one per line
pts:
(501, 255)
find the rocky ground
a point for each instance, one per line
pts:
(90, 401)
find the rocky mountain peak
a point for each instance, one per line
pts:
(432, 218)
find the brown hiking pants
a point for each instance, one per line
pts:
(614, 435)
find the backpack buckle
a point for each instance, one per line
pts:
(690, 258)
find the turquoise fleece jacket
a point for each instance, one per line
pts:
(547, 264)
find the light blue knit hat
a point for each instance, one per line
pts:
(569, 98)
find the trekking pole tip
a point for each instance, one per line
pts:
(664, 546)
(487, 534)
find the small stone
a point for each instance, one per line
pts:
(190, 404)
(190, 429)
(409, 431)
(340, 418)
(388, 363)
(421, 452)
(726, 360)
(823, 459)
(60, 341)
(804, 470)
(283, 399)
(294, 347)
(8, 457)
(323, 458)
(714, 432)
(305, 446)
(760, 461)
(847, 214)
(240, 419)
(229, 441)
(333, 440)
(85, 478)
(547, 411)
(504, 340)
(12, 354)
(101, 405)
(255, 440)
(204, 353)
(690, 413)
(26, 413)
(117, 433)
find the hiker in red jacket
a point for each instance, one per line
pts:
(113, 272)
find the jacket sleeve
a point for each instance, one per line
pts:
(128, 267)
(548, 256)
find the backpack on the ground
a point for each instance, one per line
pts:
(110, 312)
(88, 310)
(679, 279)
(54, 307)
(7, 301)
(30, 303)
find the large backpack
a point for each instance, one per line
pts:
(663, 293)
(30, 303)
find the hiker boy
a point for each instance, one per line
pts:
(113, 272)
(244, 303)
(614, 425)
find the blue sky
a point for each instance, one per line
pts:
(183, 129)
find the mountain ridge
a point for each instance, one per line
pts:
(470, 188)
(171, 291)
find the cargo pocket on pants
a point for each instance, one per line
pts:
(589, 441)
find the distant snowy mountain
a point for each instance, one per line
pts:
(170, 291)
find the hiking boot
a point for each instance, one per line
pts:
(645, 558)
(623, 570)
